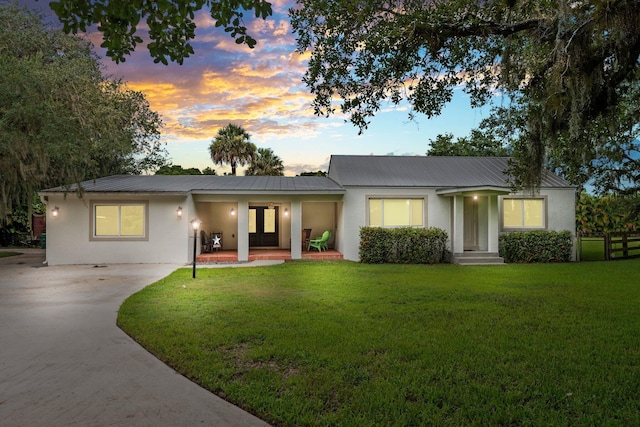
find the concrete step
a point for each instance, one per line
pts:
(478, 258)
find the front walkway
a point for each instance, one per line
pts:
(265, 254)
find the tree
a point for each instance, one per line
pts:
(177, 170)
(478, 145)
(231, 145)
(316, 173)
(265, 163)
(171, 25)
(208, 171)
(565, 63)
(61, 120)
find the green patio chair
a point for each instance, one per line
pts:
(320, 243)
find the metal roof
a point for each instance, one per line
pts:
(358, 171)
(205, 184)
(426, 171)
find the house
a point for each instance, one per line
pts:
(147, 219)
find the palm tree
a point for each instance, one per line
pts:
(232, 146)
(266, 163)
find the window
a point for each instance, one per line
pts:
(119, 220)
(393, 212)
(523, 213)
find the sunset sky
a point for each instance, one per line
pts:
(261, 90)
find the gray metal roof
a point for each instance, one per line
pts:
(206, 184)
(426, 171)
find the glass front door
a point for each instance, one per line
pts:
(263, 226)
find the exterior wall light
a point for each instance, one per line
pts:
(55, 212)
(179, 212)
(233, 212)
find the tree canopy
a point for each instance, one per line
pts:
(170, 24)
(265, 163)
(566, 63)
(61, 120)
(232, 145)
(179, 170)
(486, 141)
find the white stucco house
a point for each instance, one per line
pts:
(147, 219)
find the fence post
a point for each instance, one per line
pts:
(607, 247)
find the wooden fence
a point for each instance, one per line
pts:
(621, 246)
(617, 245)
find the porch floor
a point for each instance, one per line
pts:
(264, 254)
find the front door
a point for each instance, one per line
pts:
(470, 224)
(263, 226)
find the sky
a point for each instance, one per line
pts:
(261, 89)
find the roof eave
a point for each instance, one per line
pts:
(485, 189)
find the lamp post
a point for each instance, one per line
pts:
(195, 224)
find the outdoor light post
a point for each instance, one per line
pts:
(195, 224)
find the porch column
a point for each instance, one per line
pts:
(492, 226)
(457, 240)
(243, 231)
(296, 229)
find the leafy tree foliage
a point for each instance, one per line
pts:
(609, 213)
(477, 145)
(232, 145)
(316, 173)
(170, 24)
(179, 170)
(265, 163)
(61, 120)
(566, 63)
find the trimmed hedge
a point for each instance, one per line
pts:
(402, 245)
(536, 246)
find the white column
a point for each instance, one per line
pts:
(296, 230)
(243, 231)
(458, 225)
(492, 227)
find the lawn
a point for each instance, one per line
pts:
(4, 254)
(341, 343)
(592, 249)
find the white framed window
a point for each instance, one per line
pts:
(523, 213)
(395, 212)
(119, 220)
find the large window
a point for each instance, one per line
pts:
(393, 212)
(119, 221)
(523, 213)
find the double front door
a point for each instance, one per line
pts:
(263, 226)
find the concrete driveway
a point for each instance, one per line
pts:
(64, 362)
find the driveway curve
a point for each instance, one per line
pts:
(64, 362)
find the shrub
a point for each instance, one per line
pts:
(536, 246)
(402, 245)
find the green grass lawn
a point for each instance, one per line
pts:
(4, 254)
(592, 249)
(341, 343)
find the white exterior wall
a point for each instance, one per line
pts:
(446, 213)
(561, 209)
(68, 235)
(354, 214)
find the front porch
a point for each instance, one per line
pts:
(231, 256)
